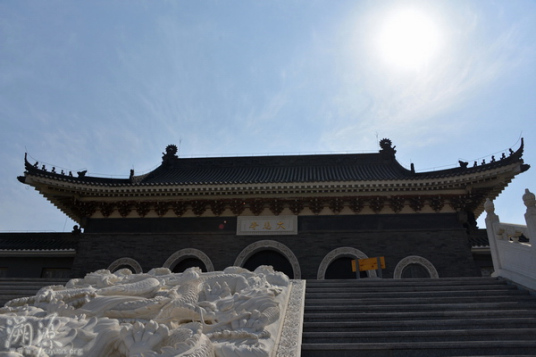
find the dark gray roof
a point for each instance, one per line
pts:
(276, 169)
(38, 241)
(479, 239)
(379, 166)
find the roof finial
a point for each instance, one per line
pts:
(387, 150)
(170, 155)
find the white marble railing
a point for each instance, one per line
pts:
(513, 259)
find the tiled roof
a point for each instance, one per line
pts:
(277, 169)
(38, 241)
(380, 166)
(479, 239)
(283, 169)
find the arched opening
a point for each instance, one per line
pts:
(415, 271)
(269, 257)
(415, 266)
(341, 268)
(188, 258)
(186, 263)
(271, 253)
(127, 263)
(337, 264)
(124, 266)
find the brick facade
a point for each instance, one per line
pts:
(439, 238)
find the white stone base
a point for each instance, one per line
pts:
(231, 313)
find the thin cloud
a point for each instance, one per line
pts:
(402, 103)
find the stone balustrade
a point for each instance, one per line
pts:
(511, 245)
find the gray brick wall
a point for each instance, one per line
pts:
(439, 238)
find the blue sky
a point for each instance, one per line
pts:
(107, 85)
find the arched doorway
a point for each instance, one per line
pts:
(415, 266)
(272, 253)
(269, 257)
(186, 263)
(337, 264)
(127, 263)
(413, 271)
(188, 258)
(341, 268)
(124, 266)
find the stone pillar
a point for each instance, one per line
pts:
(530, 217)
(491, 219)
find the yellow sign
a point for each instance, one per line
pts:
(267, 225)
(368, 264)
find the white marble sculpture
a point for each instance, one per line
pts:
(231, 313)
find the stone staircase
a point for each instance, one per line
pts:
(418, 317)
(13, 288)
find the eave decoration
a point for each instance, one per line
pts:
(307, 184)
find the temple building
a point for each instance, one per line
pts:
(306, 215)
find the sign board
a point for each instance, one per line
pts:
(371, 264)
(368, 264)
(267, 225)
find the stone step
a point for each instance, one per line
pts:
(399, 315)
(30, 281)
(491, 334)
(399, 294)
(419, 324)
(22, 281)
(528, 304)
(5, 298)
(409, 288)
(18, 293)
(327, 302)
(23, 287)
(424, 349)
(418, 317)
(423, 307)
(14, 288)
(384, 283)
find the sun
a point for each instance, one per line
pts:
(408, 39)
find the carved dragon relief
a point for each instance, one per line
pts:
(231, 313)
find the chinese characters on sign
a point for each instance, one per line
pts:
(264, 225)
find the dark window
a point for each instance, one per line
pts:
(3, 272)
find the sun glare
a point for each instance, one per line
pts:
(408, 39)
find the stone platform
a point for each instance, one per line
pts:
(230, 313)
